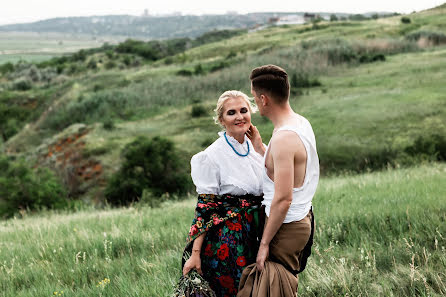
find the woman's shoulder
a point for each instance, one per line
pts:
(214, 148)
(209, 154)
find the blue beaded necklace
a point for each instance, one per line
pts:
(234, 148)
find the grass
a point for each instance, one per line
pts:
(36, 47)
(372, 239)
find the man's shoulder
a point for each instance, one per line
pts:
(287, 141)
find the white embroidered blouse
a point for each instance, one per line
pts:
(219, 170)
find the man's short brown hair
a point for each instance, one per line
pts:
(273, 81)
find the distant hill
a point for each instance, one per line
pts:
(150, 27)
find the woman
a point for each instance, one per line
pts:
(225, 233)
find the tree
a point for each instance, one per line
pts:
(149, 165)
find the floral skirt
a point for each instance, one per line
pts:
(227, 249)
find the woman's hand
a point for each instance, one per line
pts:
(254, 135)
(194, 262)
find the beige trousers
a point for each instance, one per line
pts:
(279, 278)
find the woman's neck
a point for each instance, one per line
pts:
(239, 137)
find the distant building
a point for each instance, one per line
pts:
(309, 17)
(292, 19)
(273, 20)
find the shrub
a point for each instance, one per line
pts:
(369, 58)
(435, 38)
(336, 50)
(22, 84)
(108, 124)
(94, 108)
(110, 65)
(217, 35)
(153, 165)
(92, 64)
(7, 67)
(23, 188)
(184, 72)
(198, 70)
(431, 147)
(218, 66)
(405, 20)
(231, 55)
(304, 81)
(198, 111)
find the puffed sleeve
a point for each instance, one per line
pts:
(205, 174)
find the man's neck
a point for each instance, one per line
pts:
(280, 115)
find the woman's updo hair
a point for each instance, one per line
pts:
(228, 95)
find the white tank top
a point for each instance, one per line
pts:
(302, 196)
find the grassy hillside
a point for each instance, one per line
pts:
(373, 91)
(377, 234)
(36, 47)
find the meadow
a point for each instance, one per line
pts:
(373, 91)
(37, 47)
(377, 234)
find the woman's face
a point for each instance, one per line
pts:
(236, 117)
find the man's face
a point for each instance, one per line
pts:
(258, 101)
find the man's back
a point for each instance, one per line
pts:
(292, 150)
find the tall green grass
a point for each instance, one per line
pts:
(377, 234)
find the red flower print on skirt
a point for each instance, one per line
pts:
(208, 250)
(226, 281)
(241, 261)
(223, 252)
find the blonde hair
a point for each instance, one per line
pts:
(228, 95)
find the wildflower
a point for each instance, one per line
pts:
(103, 282)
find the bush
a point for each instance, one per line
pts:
(198, 111)
(108, 124)
(92, 64)
(304, 81)
(217, 35)
(22, 84)
(153, 165)
(431, 147)
(7, 67)
(184, 72)
(405, 20)
(23, 188)
(336, 51)
(94, 108)
(436, 38)
(369, 58)
(198, 70)
(110, 65)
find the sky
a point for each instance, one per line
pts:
(22, 11)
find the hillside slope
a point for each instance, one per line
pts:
(372, 239)
(373, 91)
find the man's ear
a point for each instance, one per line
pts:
(265, 99)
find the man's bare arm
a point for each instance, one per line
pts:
(284, 146)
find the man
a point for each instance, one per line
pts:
(290, 181)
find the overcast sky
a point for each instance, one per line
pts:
(20, 11)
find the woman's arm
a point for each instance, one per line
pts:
(194, 262)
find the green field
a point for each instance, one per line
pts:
(36, 47)
(374, 94)
(377, 234)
